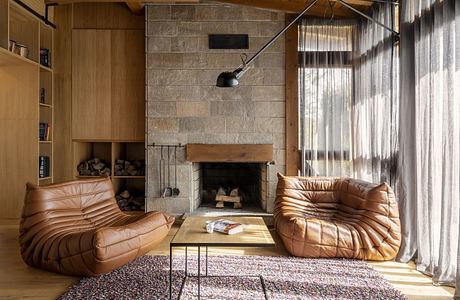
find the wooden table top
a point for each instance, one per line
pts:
(193, 233)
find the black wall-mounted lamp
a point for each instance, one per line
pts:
(231, 79)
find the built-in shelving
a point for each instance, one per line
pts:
(21, 29)
(47, 69)
(8, 58)
(110, 152)
(21, 80)
(46, 97)
(24, 29)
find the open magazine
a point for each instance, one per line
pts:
(227, 226)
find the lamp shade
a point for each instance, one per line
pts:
(227, 79)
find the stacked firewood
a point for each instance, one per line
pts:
(229, 195)
(130, 201)
(93, 167)
(129, 168)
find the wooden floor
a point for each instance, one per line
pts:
(18, 281)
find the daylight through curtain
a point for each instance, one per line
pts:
(325, 93)
(348, 97)
(430, 137)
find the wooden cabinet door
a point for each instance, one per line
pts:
(91, 84)
(128, 85)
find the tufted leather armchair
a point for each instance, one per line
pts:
(76, 228)
(337, 217)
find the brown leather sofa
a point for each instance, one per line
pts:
(337, 217)
(76, 228)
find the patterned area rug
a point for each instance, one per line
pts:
(285, 278)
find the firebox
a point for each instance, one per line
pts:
(231, 185)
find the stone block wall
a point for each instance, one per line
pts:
(184, 105)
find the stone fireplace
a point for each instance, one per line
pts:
(184, 105)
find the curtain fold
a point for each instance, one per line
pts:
(430, 137)
(376, 99)
(399, 123)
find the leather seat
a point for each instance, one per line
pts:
(77, 228)
(337, 217)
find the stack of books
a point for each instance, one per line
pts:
(43, 166)
(45, 58)
(44, 132)
(227, 226)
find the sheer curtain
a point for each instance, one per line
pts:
(349, 100)
(430, 137)
(325, 94)
(376, 99)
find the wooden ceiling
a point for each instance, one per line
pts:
(323, 8)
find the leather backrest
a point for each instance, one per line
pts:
(90, 200)
(361, 195)
(333, 195)
(307, 196)
(312, 189)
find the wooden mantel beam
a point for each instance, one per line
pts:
(261, 153)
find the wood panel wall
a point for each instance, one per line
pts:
(105, 16)
(91, 84)
(128, 83)
(108, 84)
(63, 94)
(96, 41)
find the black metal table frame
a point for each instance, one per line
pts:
(199, 276)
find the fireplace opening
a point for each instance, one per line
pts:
(231, 185)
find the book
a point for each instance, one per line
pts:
(45, 57)
(44, 132)
(42, 95)
(43, 166)
(227, 226)
(48, 131)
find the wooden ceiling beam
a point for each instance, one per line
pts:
(294, 7)
(321, 9)
(357, 2)
(123, 1)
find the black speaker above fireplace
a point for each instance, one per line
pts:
(228, 41)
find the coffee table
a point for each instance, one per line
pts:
(192, 233)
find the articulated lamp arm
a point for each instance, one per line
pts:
(230, 79)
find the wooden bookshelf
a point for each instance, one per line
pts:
(21, 78)
(46, 99)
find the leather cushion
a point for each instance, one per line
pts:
(77, 228)
(337, 217)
